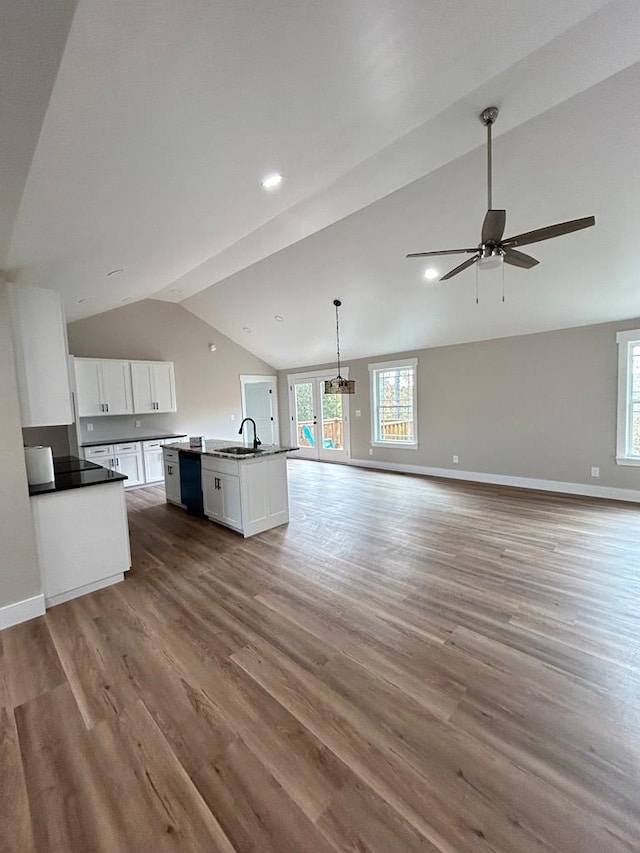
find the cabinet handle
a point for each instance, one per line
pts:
(169, 469)
(117, 462)
(217, 482)
(102, 407)
(106, 406)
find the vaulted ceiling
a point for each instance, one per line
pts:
(164, 117)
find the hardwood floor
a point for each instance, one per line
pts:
(409, 665)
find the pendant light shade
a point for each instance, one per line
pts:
(339, 385)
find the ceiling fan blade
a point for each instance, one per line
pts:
(443, 252)
(548, 232)
(519, 259)
(493, 226)
(460, 268)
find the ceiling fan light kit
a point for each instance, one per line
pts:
(493, 250)
(339, 385)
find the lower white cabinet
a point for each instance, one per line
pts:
(153, 465)
(248, 495)
(140, 461)
(172, 476)
(222, 498)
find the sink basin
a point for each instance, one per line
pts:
(237, 451)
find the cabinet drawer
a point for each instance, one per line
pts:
(153, 444)
(130, 447)
(170, 455)
(220, 466)
(101, 450)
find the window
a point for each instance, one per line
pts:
(628, 445)
(393, 403)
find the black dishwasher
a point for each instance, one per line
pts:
(191, 482)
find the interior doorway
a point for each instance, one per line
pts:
(260, 402)
(319, 421)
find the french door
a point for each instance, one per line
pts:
(319, 421)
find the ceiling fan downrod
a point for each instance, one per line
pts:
(488, 117)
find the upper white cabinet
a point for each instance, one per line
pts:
(103, 387)
(109, 386)
(153, 386)
(40, 344)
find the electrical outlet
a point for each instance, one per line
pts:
(233, 417)
(138, 424)
(358, 413)
(595, 472)
(371, 451)
(89, 427)
(455, 460)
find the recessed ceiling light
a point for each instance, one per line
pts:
(127, 299)
(114, 272)
(430, 274)
(212, 348)
(278, 318)
(271, 181)
(246, 329)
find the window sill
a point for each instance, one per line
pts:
(405, 445)
(628, 460)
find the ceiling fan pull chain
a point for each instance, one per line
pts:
(477, 292)
(502, 281)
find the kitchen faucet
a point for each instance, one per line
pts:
(256, 440)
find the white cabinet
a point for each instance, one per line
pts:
(103, 387)
(153, 464)
(172, 477)
(222, 498)
(129, 461)
(124, 458)
(153, 386)
(249, 495)
(40, 345)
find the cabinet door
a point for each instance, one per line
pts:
(88, 388)
(153, 467)
(141, 380)
(116, 387)
(212, 495)
(172, 482)
(130, 464)
(41, 351)
(163, 386)
(231, 501)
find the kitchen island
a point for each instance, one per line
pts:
(241, 487)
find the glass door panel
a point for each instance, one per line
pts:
(305, 421)
(332, 420)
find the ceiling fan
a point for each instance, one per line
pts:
(492, 245)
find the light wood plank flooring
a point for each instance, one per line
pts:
(409, 665)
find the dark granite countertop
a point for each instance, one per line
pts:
(125, 439)
(73, 473)
(214, 447)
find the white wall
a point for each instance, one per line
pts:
(539, 406)
(19, 573)
(207, 384)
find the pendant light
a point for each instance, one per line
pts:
(339, 385)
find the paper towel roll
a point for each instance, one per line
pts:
(39, 465)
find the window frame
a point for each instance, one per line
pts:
(374, 369)
(626, 341)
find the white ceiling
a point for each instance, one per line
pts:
(164, 117)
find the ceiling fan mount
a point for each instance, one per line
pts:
(492, 244)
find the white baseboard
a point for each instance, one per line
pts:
(21, 611)
(83, 590)
(607, 492)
